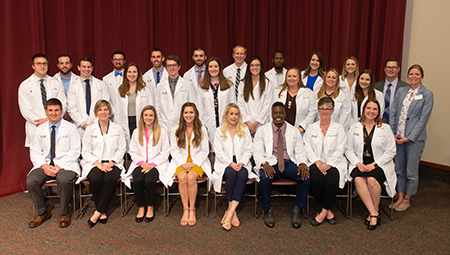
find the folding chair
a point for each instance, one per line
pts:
(49, 185)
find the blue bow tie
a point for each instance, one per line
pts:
(117, 73)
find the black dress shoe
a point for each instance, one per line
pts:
(373, 227)
(296, 218)
(331, 221)
(103, 221)
(139, 219)
(314, 222)
(269, 220)
(91, 224)
(149, 219)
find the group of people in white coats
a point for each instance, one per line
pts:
(150, 121)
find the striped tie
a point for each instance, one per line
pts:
(236, 83)
(387, 102)
(43, 92)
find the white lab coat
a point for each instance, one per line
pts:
(150, 79)
(76, 102)
(191, 76)
(199, 155)
(113, 83)
(159, 155)
(354, 105)
(334, 147)
(257, 109)
(94, 147)
(67, 143)
(277, 79)
(73, 79)
(30, 102)
(343, 83)
(143, 98)
(206, 107)
(317, 84)
(342, 109)
(306, 105)
(383, 148)
(224, 155)
(263, 146)
(169, 108)
(230, 72)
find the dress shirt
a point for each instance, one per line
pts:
(196, 72)
(160, 74)
(66, 83)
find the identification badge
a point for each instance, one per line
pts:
(418, 97)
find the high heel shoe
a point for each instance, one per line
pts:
(91, 224)
(192, 222)
(103, 221)
(149, 219)
(373, 227)
(184, 223)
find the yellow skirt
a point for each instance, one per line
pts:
(197, 169)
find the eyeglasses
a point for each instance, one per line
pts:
(325, 109)
(41, 64)
(391, 67)
(118, 59)
(172, 66)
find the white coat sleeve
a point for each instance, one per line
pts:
(26, 109)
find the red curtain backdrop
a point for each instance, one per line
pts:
(371, 30)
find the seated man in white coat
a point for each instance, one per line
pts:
(197, 72)
(279, 151)
(65, 76)
(82, 97)
(172, 93)
(157, 73)
(115, 78)
(236, 71)
(278, 72)
(54, 153)
(34, 93)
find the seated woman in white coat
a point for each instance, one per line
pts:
(299, 101)
(313, 75)
(149, 150)
(325, 146)
(189, 149)
(341, 98)
(103, 148)
(370, 151)
(255, 95)
(133, 96)
(364, 89)
(215, 93)
(350, 72)
(233, 148)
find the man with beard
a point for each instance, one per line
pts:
(278, 72)
(157, 73)
(65, 76)
(197, 72)
(115, 78)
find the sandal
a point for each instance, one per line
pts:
(192, 221)
(235, 221)
(224, 216)
(226, 225)
(401, 209)
(184, 223)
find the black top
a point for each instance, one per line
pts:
(368, 153)
(291, 109)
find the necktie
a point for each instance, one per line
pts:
(52, 145)
(88, 96)
(43, 92)
(236, 83)
(117, 73)
(280, 151)
(158, 79)
(387, 102)
(199, 78)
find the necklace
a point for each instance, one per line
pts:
(290, 99)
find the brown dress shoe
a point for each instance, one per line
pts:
(36, 222)
(64, 221)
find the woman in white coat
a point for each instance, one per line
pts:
(149, 150)
(215, 93)
(255, 95)
(350, 72)
(103, 148)
(363, 90)
(133, 96)
(325, 146)
(189, 149)
(313, 75)
(233, 147)
(299, 101)
(341, 98)
(370, 151)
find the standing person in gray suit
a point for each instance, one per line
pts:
(390, 85)
(408, 119)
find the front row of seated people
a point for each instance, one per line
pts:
(279, 151)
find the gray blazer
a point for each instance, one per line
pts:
(380, 85)
(418, 113)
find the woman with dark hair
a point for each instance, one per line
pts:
(103, 148)
(325, 145)
(133, 96)
(189, 150)
(350, 72)
(216, 92)
(298, 100)
(341, 98)
(364, 90)
(313, 75)
(255, 95)
(370, 150)
(408, 118)
(149, 150)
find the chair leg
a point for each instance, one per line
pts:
(256, 199)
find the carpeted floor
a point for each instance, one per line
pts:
(422, 229)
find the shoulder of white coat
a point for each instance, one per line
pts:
(107, 76)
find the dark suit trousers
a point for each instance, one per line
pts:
(64, 179)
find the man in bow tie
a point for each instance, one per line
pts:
(115, 78)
